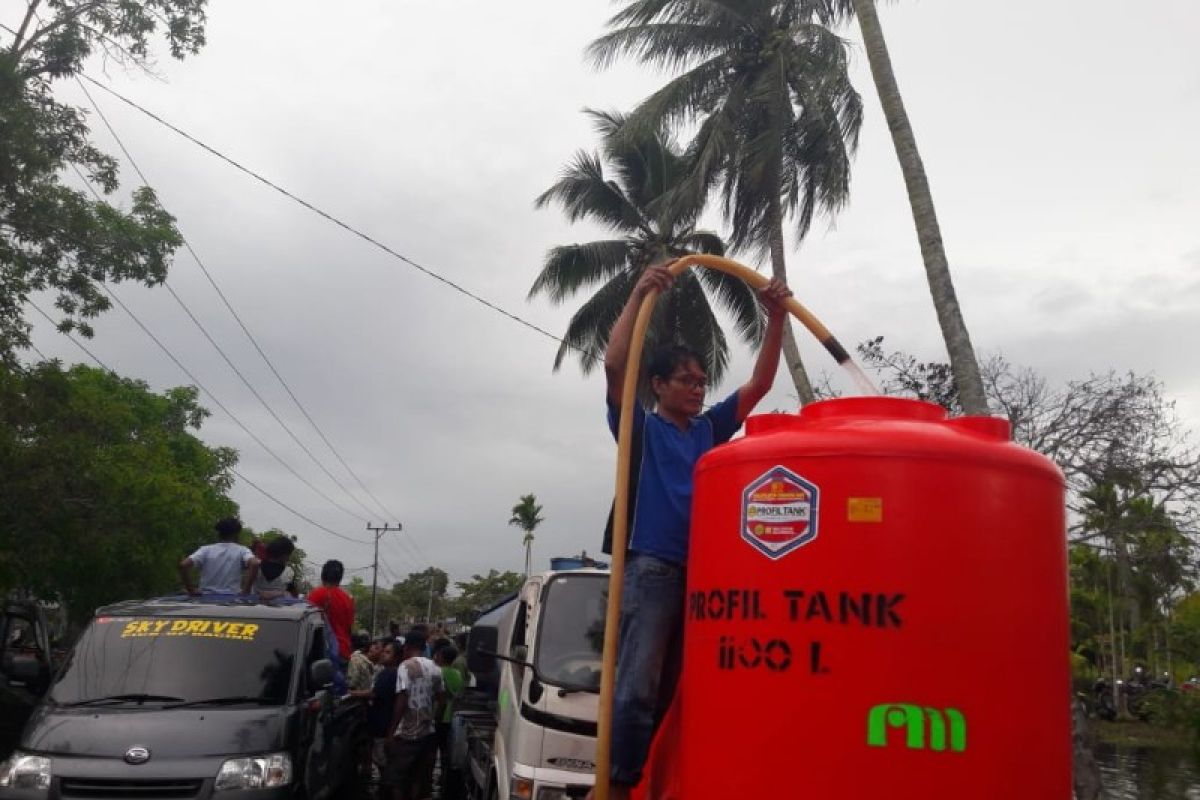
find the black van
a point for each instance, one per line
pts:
(176, 698)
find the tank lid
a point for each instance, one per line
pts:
(873, 408)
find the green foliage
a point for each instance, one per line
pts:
(527, 515)
(407, 602)
(767, 83)
(482, 591)
(1172, 709)
(630, 187)
(106, 487)
(53, 237)
(1185, 629)
(420, 597)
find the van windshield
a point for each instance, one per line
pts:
(173, 659)
(571, 633)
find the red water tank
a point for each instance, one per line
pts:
(877, 608)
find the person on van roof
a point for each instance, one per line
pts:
(270, 577)
(338, 606)
(220, 564)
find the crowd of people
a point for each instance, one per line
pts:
(407, 684)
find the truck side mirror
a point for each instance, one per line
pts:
(481, 651)
(320, 674)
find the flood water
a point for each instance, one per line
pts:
(1135, 773)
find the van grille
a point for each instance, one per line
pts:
(142, 790)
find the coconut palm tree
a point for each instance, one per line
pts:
(527, 515)
(767, 84)
(629, 187)
(937, 269)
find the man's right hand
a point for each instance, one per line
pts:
(654, 278)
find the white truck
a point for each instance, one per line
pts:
(527, 729)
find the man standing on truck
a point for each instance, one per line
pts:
(669, 443)
(412, 749)
(220, 564)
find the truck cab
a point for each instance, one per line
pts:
(190, 698)
(528, 729)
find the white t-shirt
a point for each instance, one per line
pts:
(264, 584)
(422, 679)
(220, 566)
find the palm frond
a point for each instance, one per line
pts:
(606, 123)
(569, 268)
(695, 92)
(584, 193)
(704, 242)
(590, 326)
(734, 296)
(727, 12)
(666, 45)
(697, 326)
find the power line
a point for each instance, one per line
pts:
(229, 413)
(344, 225)
(78, 343)
(302, 516)
(240, 476)
(40, 354)
(129, 156)
(413, 555)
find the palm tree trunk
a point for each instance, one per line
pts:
(937, 270)
(791, 351)
(528, 557)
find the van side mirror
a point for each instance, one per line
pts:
(27, 671)
(520, 652)
(320, 674)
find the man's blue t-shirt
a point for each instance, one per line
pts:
(662, 513)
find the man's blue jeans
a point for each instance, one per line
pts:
(649, 656)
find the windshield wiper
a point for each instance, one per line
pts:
(123, 698)
(221, 701)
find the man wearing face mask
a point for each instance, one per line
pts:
(270, 578)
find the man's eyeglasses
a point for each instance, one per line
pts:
(688, 382)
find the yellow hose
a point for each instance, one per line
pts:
(621, 508)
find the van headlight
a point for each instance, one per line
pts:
(259, 772)
(23, 771)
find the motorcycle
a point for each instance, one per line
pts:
(1132, 695)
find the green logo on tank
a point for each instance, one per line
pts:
(924, 727)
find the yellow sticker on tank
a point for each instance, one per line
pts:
(865, 509)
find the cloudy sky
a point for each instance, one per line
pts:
(1061, 147)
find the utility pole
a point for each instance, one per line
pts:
(378, 531)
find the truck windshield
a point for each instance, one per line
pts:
(571, 633)
(161, 659)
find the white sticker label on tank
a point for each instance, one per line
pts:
(779, 512)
